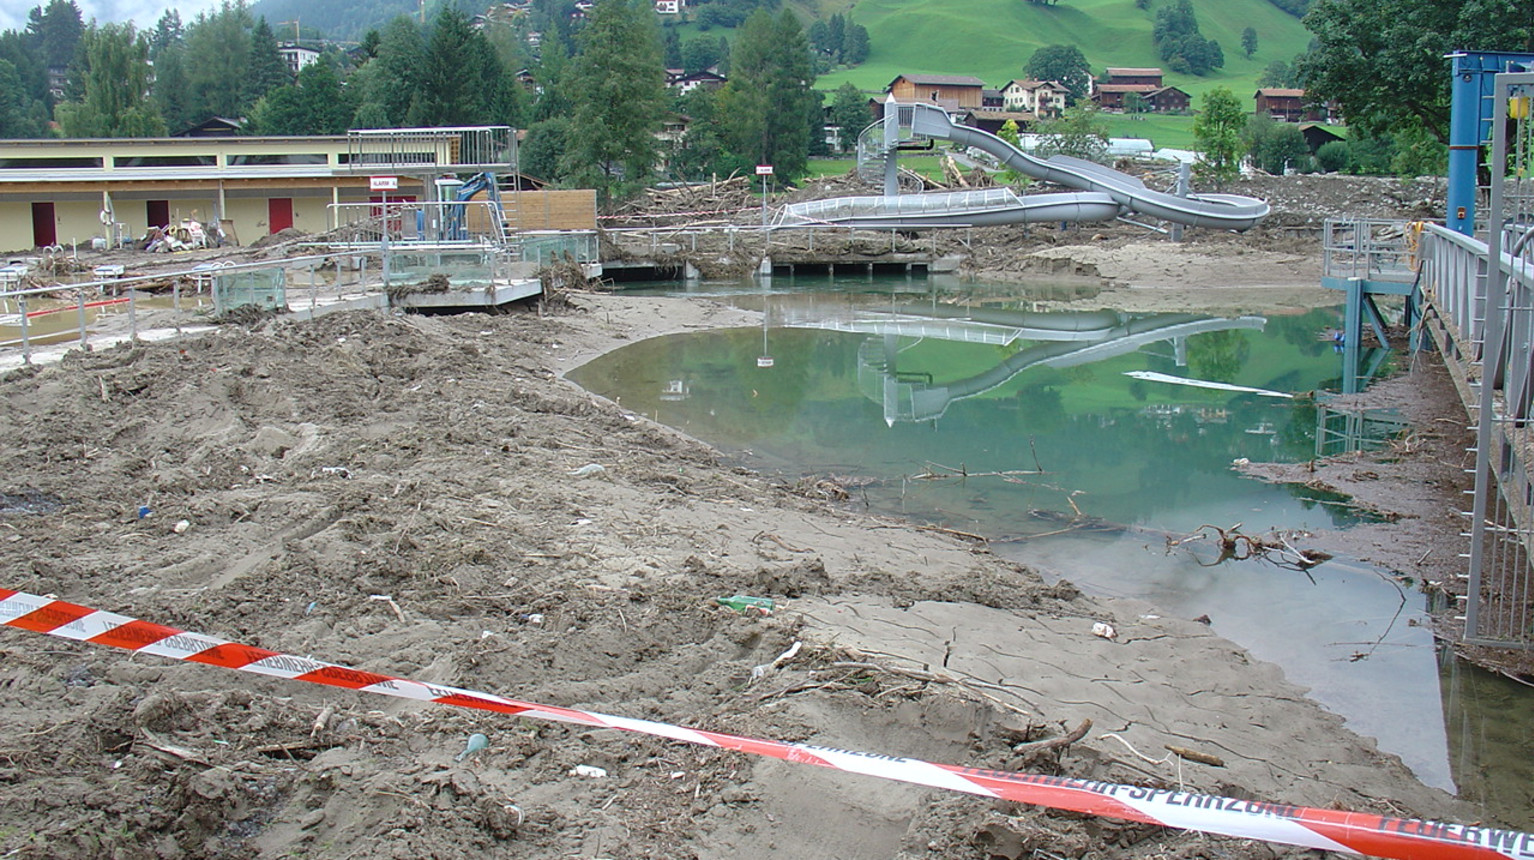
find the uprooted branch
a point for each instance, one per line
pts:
(939, 472)
(1236, 545)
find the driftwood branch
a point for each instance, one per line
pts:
(1057, 742)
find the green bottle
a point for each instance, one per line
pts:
(747, 605)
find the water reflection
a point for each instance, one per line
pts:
(1491, 738)
(907, 392)
(966, 406)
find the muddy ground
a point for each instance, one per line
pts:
(296, 474)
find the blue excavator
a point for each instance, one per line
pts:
(454, 221)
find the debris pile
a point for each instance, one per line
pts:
(695, 204)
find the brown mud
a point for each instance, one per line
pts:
(414, 496)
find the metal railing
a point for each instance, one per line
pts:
(1370, 249)
(544, 247)
(470, 222)
(1482, 292)
(414, 150)
(100, 312)
(1483, 322)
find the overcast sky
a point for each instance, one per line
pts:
(143, 13)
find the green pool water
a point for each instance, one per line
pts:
(974, 407)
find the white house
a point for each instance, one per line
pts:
(1042, 98)
(297, 56)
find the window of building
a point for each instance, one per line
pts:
(66, 163)
(165, 161)
(279, 158)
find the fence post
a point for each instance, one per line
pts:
(80, 312)
(26, 343)
(132, 314)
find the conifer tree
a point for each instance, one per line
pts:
(267, 69)
(617, 84)
(767, 107)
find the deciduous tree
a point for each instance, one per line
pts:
(1217, 135)
(850, 113)
(316, 104)
(1079, 132)
(1383, 60)
(1064, 64)
(114, 76)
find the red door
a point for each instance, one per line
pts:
(157, 213)
(279, 214)
(45, 231)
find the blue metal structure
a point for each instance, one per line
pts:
(1470, 122)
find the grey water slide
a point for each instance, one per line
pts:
(1104, 193)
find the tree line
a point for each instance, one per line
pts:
(592, 99)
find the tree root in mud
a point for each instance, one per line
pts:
(1235, 545)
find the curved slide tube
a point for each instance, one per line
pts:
(1222, 211)
(982, 208)
(1104, 193)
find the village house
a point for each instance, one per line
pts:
(1284, 105)
(1167, 100)
(1041, 98)
(950, 92)
(685, 82)
(993, 120)
(1110, 92)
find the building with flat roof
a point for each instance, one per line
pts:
(56, 192)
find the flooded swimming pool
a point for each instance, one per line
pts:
(1079, 444)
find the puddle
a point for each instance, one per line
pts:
(960, 404)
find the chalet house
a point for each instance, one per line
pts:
(993, 120)
(214, 126)
(1110, 92)
(685, 82)
(991, 99)
(1284, 105)
(951, 92)
(673, 129)
(1041, 98)
(1168, 100)
(1150, 78)
(1318, 135)
(669, 7)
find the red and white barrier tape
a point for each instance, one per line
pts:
(1309, 827)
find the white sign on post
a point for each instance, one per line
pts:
(764, 170)
(383, 183)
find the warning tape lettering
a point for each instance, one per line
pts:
(1308, 827)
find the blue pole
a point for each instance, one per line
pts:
(1470, 111)
(1464, 142)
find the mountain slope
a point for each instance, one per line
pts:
(993, 39)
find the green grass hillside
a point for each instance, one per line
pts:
(992, 39)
